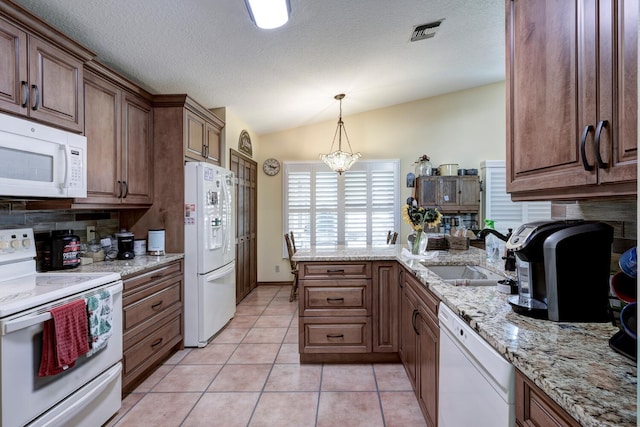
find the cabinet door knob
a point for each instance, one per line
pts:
(583, 151)
(596, 145)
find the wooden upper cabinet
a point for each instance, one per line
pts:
(39, 79)
(13, 69)
(202, 138)
(119, 131)
(571, 120)
(103, 130)
(137, 174)
(55, 79)
(195, 139)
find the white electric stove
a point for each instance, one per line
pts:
(86, 394)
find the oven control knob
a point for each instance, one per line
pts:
(15, 244)
(4, 244)
(26, 243)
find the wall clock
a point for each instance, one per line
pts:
(271, 167)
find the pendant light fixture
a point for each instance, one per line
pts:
(340, 161)
(268, 14)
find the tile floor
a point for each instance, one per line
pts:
(250, 375)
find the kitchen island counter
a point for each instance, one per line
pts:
(571, 362)
(129, 267)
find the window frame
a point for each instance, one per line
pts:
(370, 167)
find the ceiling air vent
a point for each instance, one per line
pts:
(425, 31)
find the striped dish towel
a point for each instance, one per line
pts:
(100, 317)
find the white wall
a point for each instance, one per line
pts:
(464, 127)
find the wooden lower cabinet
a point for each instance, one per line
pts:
(420, 343)
(535, 409)
(348, 311)
(152, 322)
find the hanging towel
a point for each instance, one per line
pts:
(100, 314)
(64, 338)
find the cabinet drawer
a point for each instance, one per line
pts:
(144, 352)
(152, 305)
(355, 270)
(325, 298)
(336, 335)
(131, 284)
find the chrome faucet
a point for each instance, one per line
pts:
(510, 258)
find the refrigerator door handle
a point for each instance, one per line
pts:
(221, 272)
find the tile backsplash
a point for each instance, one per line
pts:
(621, 214)
(16, 215)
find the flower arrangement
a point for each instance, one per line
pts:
(417, 217)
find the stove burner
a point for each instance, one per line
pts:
(15, 296)
(56, 281)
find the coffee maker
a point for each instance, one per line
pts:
(125, 245)
(563, 270)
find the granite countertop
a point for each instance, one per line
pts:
(571, 362)
(128, 267)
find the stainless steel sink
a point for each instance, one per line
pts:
(465, 275)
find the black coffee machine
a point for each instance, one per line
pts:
(563, 270)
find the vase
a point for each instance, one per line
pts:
(417, 242)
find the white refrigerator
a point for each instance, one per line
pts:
(209, 258)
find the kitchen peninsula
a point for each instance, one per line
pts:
(571, 363)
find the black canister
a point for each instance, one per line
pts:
(65, 250)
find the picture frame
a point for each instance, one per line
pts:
(244, 143)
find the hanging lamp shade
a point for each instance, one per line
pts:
(340, 161)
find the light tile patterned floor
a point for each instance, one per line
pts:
(250, 375)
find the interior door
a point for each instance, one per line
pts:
(245, 170)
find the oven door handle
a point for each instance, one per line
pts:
(16, 325)
(10, 326)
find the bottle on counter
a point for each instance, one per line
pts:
(491, 243)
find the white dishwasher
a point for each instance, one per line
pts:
(476, 384)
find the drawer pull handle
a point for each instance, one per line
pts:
(157, 305)
(156, 343)
(329, 336)
(156, 277)
(335, 299)
(336, 271)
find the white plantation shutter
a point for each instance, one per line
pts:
(498, 205)
(298, 202)
(326, 209)
(355, 209)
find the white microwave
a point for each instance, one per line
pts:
(41, 161)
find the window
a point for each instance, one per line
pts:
(355, 209)
(498, 205)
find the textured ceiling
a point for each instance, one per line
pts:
(287, 77)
